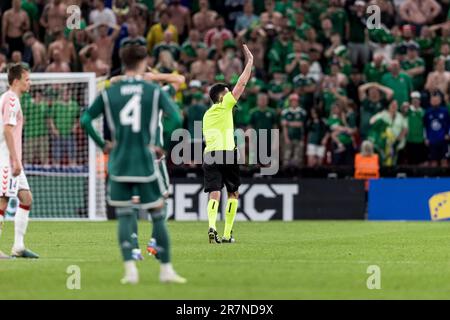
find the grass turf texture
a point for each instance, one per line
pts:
(275, 260)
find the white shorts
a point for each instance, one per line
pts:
(10, 186)
(313, 150)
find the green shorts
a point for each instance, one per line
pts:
(120, 194)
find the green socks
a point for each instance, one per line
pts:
(230, 214)
(134, 229)
(213, 207)
(161, 236)
(126, 219)
(164, 214)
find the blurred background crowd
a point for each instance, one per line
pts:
(320, 74)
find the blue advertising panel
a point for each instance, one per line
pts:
(409, 199)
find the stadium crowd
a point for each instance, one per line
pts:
(321, 75)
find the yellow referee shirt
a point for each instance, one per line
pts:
(218, 126)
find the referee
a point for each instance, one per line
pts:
(218, 130)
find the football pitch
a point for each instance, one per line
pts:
(271, 260)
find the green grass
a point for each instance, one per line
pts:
(275, 260)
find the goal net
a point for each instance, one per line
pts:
(65, 170)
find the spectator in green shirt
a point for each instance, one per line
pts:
(194, 115)
(399, 82)
(275, 88)
(445, 54)
(195, 111)
(242, 113)
(36, 134)
(376, 69)
(293, 122)
(342, 126)
(280, 49)
(359, 50)
(372, 102)
(415, 150)
(263, 118)
(293, 60)
(414, 66)
(338, 16)
(317, 138)
(65, 113)
(305, 86)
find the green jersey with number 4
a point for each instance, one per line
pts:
(132, 109)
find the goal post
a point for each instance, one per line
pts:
(65, 169)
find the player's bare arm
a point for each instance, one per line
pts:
(176, 80)
(9, 138)
(245, 76)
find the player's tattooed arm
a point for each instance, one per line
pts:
(176, 80)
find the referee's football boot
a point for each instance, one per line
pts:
(231, 240)
(213, 236)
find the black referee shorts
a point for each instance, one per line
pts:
(218, 175)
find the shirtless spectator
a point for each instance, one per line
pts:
(218, 31)
(140, 15)
(58, 64)
(65, 47)
(91, 62)
(205, 18)
(102, 15)
(181, 17)
(53, 19)
(230, 65)
(270, 16)
(105, 42)
(439, 78)
(419, 12)
(203, 69)
(15, 23)
(38, 50)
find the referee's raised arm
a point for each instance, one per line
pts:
(245, 76)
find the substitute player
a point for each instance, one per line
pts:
(13, 180)
(218, 130)
(131, 108)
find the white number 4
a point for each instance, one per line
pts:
(130, 115)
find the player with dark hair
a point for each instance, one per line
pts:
(173, 82)
(131, 107)
(13, 182)
(218, 130)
